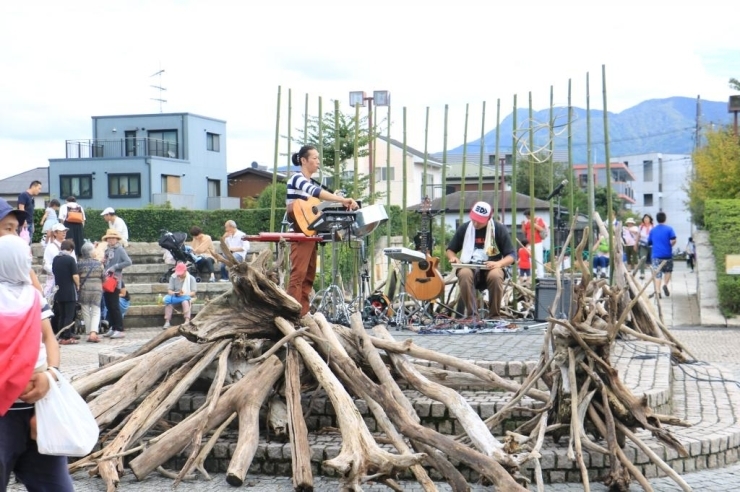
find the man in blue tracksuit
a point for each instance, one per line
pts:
(662, 238)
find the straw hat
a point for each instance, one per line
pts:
(112, 233)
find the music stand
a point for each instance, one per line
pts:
(332, 304)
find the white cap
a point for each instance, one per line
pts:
(109, 210)
(58, 227)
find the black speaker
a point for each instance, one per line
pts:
(545, 296)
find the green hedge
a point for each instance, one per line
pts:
(722, 220)
(144, 225)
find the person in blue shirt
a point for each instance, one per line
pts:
(662, 238)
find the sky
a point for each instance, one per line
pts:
(63, 62)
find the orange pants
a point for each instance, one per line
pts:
(302, 272)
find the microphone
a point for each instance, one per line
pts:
(557, 189)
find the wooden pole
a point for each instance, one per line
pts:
(499, 189)
(609, 204)
(532, 214)
(512, 194)
(463, 194)
(275, 163)
(590, 169)
(482, 150)
(404, 210)
(571, 176)
(443, 215)
(290, 125)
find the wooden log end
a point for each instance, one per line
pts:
(234, 480)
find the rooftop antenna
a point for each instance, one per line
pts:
(160, 89)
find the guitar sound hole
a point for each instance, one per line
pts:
(423, 264)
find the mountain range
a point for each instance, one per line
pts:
(656, 125)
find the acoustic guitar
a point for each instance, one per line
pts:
(424, 282)
(306, 212)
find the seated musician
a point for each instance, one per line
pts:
(486, 241)
(303, 254)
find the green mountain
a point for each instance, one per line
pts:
(657, 125)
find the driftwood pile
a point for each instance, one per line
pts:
(264, 355)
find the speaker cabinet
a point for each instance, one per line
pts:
(545, 296)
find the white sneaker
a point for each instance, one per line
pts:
(224, 280)
(212, 278)
(109, 333)
(117, 334)
(166, 325)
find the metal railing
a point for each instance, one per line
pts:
(123, 147)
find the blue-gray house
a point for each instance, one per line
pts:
(134, 160)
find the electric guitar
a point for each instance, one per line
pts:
(306, 212)
(424, 282)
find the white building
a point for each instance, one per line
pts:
(660, 185)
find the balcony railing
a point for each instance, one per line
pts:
(123, 147)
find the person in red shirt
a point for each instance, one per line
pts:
(525, 259)
(540, 230)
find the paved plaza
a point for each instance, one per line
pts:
(716, 345)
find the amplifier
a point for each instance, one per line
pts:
(545, 296)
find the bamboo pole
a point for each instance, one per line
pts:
(590, 168)
(499, 177)
(321, 180)
(512, 194)
(571, 176)
(532, 214)
(551, 149)
(305, 122)
(356, 279)
(404, 211)
(337, 167)
(463, 197)
(482, 150)
(275, 163)
(609, 204)
(424, 174)
(444, 185)
(290, 125)
(388, 187)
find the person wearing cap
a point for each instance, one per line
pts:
(630, 235)
(114, 261)
(486, 241)
(117, 223)
(58, 234)
(10, 222)
(540, 230)
(181, 290)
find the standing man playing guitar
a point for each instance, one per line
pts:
(303, 254)
(481, 240)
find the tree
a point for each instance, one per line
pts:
(735, 84)
(265, 198)
(716, 171)
(344, 130)
(542, 187)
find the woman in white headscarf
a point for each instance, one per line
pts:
(27, 349)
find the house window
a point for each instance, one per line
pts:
(647, 170)
(382, 172)
(583, 180)
(214, 187)
(170, 184)
(213, 142)
(163, 143)
(647, 199)
(124, 185)
(77, 185)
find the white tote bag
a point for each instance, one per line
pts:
(65, 425)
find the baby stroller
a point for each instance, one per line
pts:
(174, 242)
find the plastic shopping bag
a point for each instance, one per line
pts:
(65, 425)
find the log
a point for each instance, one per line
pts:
(260, 379)
(359, 454)
(107, 406)
(300, 449)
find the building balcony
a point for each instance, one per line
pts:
(223, 203)
(122, 147)
(175, 200)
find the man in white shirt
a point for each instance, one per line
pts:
(59, 234)
(117, 223)
(238, 247)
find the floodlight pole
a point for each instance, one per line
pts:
(381, 98)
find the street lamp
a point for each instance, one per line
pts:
(381, 98)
